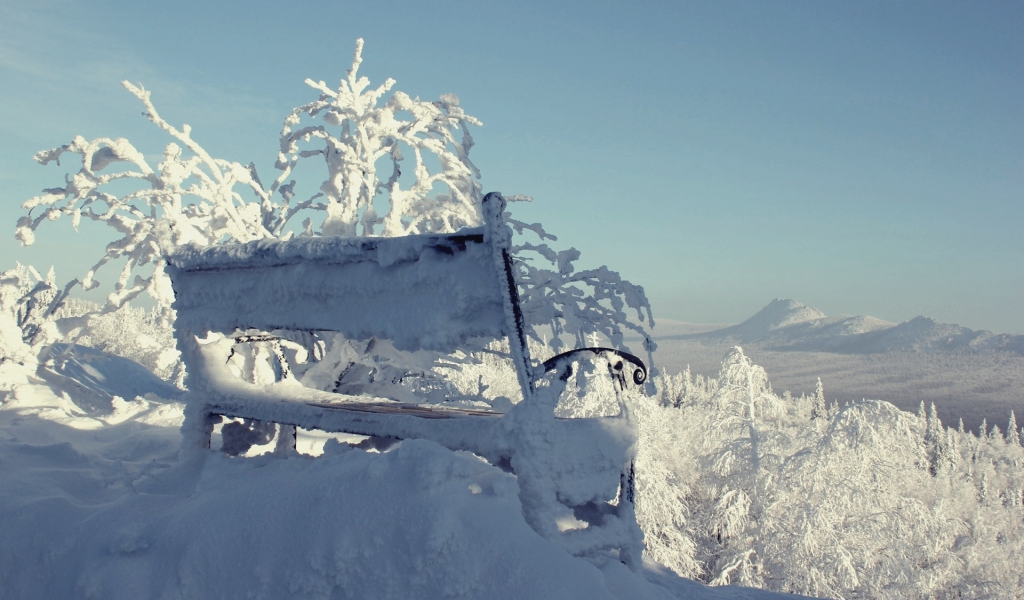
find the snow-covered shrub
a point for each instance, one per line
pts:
(189, 197)
(192, 197)
(363, 135)
(137, 334)
(26, 321)
(356, 134)
(581, 305)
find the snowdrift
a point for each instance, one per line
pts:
(96, 504)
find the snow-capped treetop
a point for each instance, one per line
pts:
(356, 133)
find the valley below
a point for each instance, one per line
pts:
(965, 381)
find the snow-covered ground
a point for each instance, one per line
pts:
(788, 495)
(95, 503)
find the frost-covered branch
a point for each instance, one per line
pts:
(575, 303)
(365, 135)
(26, 320)
(356, 133)
(189, 197)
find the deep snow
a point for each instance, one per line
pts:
(95, 503)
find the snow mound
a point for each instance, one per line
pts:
(109, 511)
(94, 377)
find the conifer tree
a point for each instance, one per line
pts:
(1012, 435)
(934, 441)
(996, 435)
(819, 410)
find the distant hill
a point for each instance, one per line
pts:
(789, 325)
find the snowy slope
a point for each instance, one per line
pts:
(96, 504)
(94, 377)
(789, 325)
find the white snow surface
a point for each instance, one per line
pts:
(95, 503)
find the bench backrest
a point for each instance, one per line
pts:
(422, 291)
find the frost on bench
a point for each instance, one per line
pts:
(430, 292)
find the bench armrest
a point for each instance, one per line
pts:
(617, 360)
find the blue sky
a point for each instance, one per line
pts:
(864, 158)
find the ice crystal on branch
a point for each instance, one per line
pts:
(26, 321)
(356, 133)
(189, 197)
(579, 304)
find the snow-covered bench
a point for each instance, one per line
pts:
(421, 292)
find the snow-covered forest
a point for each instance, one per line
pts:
(737, 484)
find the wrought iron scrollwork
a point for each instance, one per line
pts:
(617, 360)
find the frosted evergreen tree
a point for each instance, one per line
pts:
(1012, 433)
(819, 409)
(996, 436)
(935, 442)
(953, 449)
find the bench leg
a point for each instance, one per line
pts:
(287, 438)
(631, 552)
(198, 427)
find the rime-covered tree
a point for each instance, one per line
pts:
(26, 321)
(819, 410)
(364, 136)
(741, 471)
(934, 441)
(1012, 431)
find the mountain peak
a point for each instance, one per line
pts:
(786, 324)
(782, 312)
